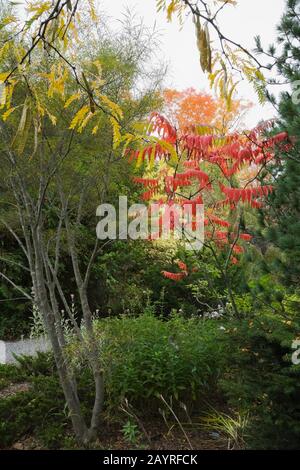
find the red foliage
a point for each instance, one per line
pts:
(239, 155)
(147, 182)
(238, 249)
(218, 221)
(246, 236)
(245, 194)
(173, 276)
(163, 128)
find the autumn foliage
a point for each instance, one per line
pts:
(188, 109)
(219, 171)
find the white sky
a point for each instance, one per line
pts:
(241, 23)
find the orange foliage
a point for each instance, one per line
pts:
(188, 109)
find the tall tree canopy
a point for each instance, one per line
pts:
(189, 108)
(282, 219)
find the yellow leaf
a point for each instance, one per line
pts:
(79, 117)
(116, 133)
(5, 49)
(171, 9)
(171, 150)
(7, 20)
(9, 88)
(85, 122)
(7, 113)
(51, 117)
(3, 76)
(95, 129)
(72, 98)
(139, 160)
(259, 75)
(152, 158)
(113, 107)
(93, 13)
(40, 7)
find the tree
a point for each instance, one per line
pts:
(191, 108)
(281, 215)
(52, 27)
(198, 168)
(50, 188)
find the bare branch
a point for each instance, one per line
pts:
(16, 286)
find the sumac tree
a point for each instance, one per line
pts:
(220, 171)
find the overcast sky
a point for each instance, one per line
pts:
(178, 48)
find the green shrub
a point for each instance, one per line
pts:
(35, 411)
(38, 411)
(14, 325)
(10, 373)
(41, 411)
(261, 378)
(40, 364)
(146, 356)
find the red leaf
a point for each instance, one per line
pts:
(173, 276)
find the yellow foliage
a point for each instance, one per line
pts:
(44, 30)
(7, 113)
(116, 132)
(95, 129)
(79, 117)
(171, 7)
(85, 121)
(3, 76)
(57, 79)
(72, 98)
(38, 7)
(93, 12)
(115, 109)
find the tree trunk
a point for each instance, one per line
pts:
(65, 377)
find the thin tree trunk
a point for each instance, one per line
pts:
(93, 348)
(65, 377)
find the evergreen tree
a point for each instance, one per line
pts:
(282, 217)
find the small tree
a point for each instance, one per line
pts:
(59, 145)
(220, 171)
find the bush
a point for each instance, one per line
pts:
(41, 410)
(146, 356)
(36, 411)
(14, 325)
(9, 374)
(260, 378)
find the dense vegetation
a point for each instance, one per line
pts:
(146, 333)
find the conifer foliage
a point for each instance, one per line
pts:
(282, 214)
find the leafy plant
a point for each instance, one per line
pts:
(131, 432)
(146, 356)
